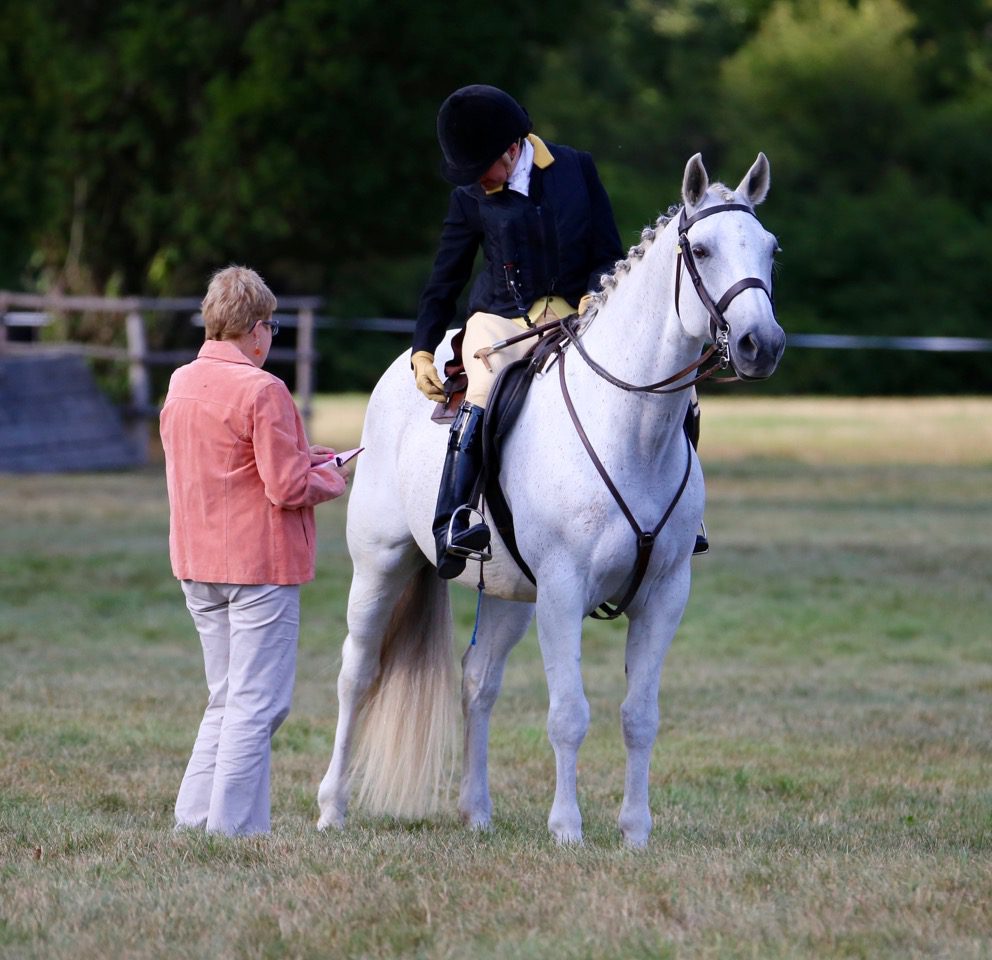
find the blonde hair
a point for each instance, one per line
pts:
(237, 298)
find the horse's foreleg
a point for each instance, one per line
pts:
(559, 619)
(501, 625)
(652, 627)
(375, 590)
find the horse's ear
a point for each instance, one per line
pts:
(695, 183)
(755, 185)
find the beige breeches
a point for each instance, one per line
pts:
(483, 330)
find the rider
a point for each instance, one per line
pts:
(545, 226)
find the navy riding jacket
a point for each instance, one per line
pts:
(557, 241)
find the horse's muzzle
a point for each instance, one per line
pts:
(756, 349)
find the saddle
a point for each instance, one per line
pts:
(506, 399)
(455, 383)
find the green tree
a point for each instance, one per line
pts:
(145, 143)
(29, 110)
(879, 235)
(636, 84)
(953, 40)
(826, 89)
(294, 135)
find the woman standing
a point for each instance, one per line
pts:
(242, 483)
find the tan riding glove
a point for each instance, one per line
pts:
(425, 373)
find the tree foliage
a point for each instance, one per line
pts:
(881, 237)
(147, 142)
(178, 135)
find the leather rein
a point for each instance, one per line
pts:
(720, 330)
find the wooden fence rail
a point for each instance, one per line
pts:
(299, 313)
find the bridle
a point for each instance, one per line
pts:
(720, 349)
(719, 327)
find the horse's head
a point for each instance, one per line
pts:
(727, 256)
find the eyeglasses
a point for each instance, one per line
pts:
(272, 324)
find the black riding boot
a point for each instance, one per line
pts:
(457, 496)
(691, 427)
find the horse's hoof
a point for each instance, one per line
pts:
(331, 819)
(476, 821)
(567, 835)
(636, 841)
(565, 823)
(635, 830)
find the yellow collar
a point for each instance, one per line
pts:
(542, 155)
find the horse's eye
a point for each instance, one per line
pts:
(699, 251)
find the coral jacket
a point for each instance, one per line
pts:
(237, 465)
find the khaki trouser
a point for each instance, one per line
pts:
(249, 635)
(484, 329)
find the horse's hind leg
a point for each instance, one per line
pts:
(376, 587)
(501, 625)
(648, 639)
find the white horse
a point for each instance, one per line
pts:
(396, 713)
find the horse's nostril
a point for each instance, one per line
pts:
(748, 346)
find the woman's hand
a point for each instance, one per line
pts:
(343, 472)
(320, 455)
(323, 457)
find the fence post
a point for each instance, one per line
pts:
(304, 363)
(138, 378)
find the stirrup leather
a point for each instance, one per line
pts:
(470, 514)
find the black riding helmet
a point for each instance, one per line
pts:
(475, 125)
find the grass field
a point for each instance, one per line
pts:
(822, 783)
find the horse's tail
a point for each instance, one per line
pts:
(407, 725)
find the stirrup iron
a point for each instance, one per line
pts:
(473, 517)
(702, 546)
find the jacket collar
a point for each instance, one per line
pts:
(542, 155)
(222, 350)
